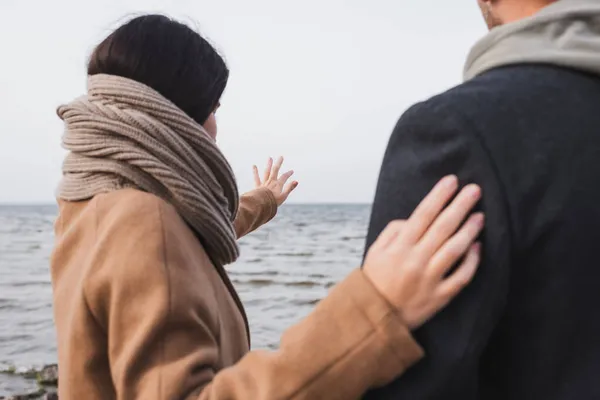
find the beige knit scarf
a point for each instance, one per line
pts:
(123, 134)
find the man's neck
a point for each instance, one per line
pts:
(518, 9)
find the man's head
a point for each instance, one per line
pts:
(500, 12)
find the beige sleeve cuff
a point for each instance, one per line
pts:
(256, 208)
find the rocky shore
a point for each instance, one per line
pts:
(47, 382)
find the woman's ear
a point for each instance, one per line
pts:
(210, 126)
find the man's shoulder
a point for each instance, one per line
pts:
(515, 84)
(474, 96)
(485, 102)
(478, 92)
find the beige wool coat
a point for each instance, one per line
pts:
(141, 312)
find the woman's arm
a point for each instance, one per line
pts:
(159, 312)
(352, 341)
(259, 206)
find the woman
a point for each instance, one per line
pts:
(149, 216)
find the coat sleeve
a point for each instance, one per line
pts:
(337, 353)
(429, 142)
(256, 208)
(160, 317)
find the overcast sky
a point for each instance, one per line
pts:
(321, 82)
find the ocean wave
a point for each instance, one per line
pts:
(297, 254)
(302, 284)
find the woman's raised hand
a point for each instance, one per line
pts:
(274, 182)
(411, 262)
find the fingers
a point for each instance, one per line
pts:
(268, 169)
(289, 188)
(257, 182)
(449, 220)
(456, 246)
(429, 208)
(276, 168)
(451, 286)
(284, 178)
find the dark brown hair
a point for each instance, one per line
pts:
(168, 56)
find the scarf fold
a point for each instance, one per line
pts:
(123, 134)
(565, 33)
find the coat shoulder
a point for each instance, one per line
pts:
(131, 210)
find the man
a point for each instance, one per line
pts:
(525, 126)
